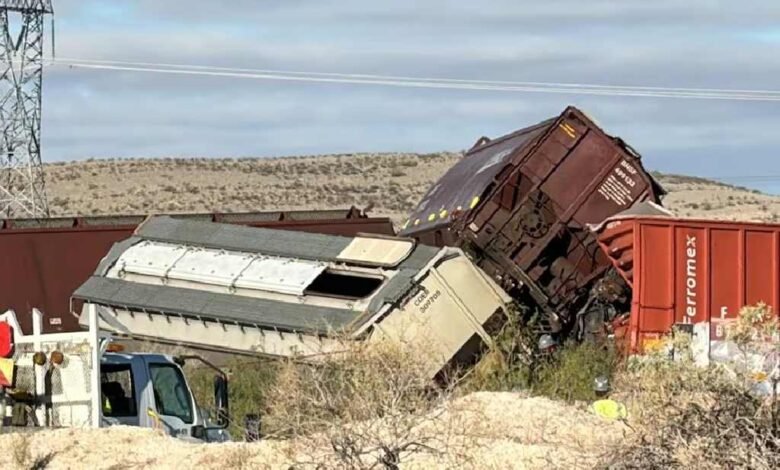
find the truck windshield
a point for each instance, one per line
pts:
(171, 392)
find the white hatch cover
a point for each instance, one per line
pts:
(384, 252)
(217, 267)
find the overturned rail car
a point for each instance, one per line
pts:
(279, 293)
(521, 203)
(43, 261)
(692, 272)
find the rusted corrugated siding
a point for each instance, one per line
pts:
(692, 271)
(43, 261)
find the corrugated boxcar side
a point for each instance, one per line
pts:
(40, 268)
(692, 271)
(43, 262)
(527, 221)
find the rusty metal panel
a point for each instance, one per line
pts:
(528, 214)
(692, 271)
(43, 261)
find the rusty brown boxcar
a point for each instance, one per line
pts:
(43, 261)
(696, 272)
(521, 204)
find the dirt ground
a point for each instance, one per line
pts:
(392, 182)
(502, 430)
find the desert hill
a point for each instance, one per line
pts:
(392, 182)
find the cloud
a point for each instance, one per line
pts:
(699, 43)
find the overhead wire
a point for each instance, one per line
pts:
(422, 82)
(441, 83)
(409, 78)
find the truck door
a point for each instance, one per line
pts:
(119, 397)
(173, 402)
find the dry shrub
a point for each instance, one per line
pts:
(239, 458)
(505, 366)
(514, 363)
(24, 457)
(250, 380)
(374, 406)
(688, 416)
(756, 335)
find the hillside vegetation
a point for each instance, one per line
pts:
(392, 182)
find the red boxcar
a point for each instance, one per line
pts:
(686, 271)
(43, 261)
(521, 205)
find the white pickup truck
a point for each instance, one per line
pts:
(83, 380)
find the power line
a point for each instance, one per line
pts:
(408, 78)
(425, 82)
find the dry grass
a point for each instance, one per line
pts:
(507, 430)
(698, 197)
(687, 416)
(372, 406)
(25, 457)
(393, 182)
(514, 363)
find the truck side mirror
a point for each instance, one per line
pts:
(221, 401)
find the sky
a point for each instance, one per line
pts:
(696, 43)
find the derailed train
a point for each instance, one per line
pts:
(521, 205)
(529, 209)
(278, 293)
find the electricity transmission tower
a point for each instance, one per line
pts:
(22, 191)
